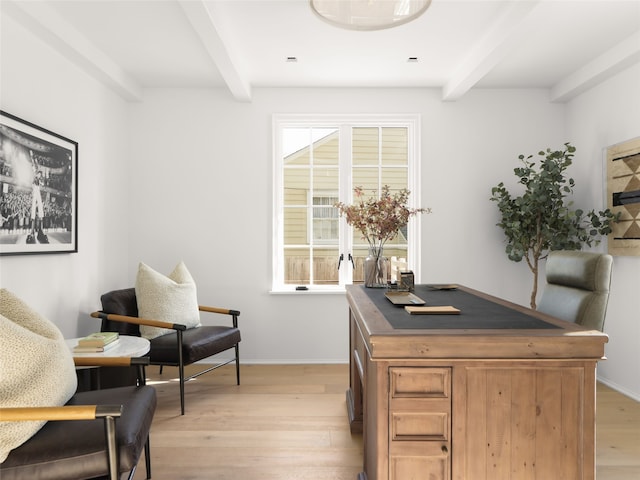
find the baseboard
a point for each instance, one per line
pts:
(314, 361)
(627, 393)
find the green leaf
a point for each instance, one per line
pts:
(541, 218)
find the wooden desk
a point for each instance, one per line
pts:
(469, 401)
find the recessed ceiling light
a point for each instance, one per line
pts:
(412, 59)
(292, 59)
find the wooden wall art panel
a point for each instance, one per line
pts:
(623, 193)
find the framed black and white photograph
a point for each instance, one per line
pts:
(38, 189)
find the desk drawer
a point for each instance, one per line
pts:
(419, 423)
(415, 382)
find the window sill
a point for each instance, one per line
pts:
(310, 291)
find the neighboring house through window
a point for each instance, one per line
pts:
(318, 160)
(325, 225)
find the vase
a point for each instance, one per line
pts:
(376, 269)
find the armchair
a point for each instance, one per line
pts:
(183, 346)
(74, 444)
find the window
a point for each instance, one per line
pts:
(318, 160)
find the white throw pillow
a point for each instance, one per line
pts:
(37, 368)
(169, 298)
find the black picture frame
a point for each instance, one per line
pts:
(38, 189)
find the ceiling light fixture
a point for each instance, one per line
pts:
(369, 14)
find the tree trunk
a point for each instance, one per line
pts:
(534, 290)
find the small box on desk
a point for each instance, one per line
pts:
(406, 282)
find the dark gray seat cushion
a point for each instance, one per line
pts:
(197, 343)
(65, 450)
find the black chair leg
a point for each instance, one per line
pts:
(142, 375)
(147, 458)
(237, 364)
(181, 369)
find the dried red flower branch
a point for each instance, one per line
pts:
(379, 219)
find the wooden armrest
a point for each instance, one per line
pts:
(137, 320)
(224, 311)
(110, 361)
(72, 412)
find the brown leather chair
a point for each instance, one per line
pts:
(577, 287)
(74, 444)
(179, 348)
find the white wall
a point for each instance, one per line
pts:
(40, 86)
(201, 168)
(604, 116)
(187, 175)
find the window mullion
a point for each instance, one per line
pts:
(345, 273)
(310, 196)
(379, 161)
(415, 200)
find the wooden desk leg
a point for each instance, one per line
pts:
(354, 394)
(356, 381)
(354, 411)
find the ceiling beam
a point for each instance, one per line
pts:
(202, 17)
(497, 42)
(613, 61)
(48, 25)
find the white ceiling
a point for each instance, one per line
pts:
(565, 46)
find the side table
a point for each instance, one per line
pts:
(94, 378)
(128, 346)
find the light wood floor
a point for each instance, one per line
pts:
(288, 422)
(617, 436)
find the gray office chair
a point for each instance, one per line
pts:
(577, 287)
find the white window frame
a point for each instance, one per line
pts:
(345, 122)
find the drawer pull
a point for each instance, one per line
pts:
(358, 362)
(445, 450)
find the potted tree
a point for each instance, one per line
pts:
(541, 218)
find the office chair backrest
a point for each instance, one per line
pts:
(577, 287)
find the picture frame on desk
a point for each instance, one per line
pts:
(38, 189)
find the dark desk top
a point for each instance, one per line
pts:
(487, 327)
(475, 312)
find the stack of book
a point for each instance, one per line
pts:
(97, 342)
